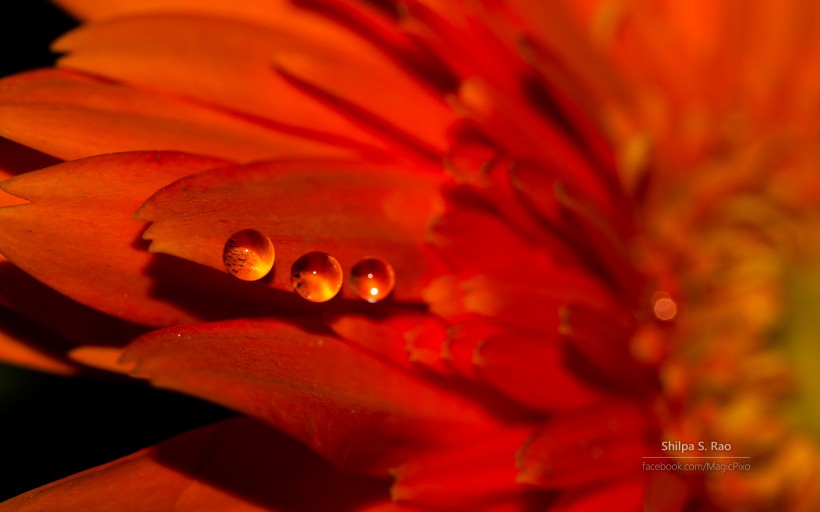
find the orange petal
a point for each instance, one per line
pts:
(261, 11)
(399, 106)
(72, 116)
(231, 68)
(351, 211)
(20, 344)
(77, 236)
(103, 358)
(582, 447)
(356, 411)
(236, 465)
(311, 20)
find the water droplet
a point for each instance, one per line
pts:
(372, 279)
(316, 276)
(248, 255)
(663, 306)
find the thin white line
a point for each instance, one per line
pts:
(696, 457)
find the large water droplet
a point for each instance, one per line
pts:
(248, 255)
(316, 276)
(372, 279)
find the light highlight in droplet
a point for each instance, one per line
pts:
(316, 276)
(663, 306)
(248, 255)
(372, 279)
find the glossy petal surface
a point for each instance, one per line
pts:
(350, 211)
(83, 210)
(356, 411)
(173, 54)
(106, 117)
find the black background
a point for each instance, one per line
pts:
(27, 28)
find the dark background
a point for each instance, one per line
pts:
(52, 427)
(27, 28)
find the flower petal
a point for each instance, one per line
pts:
(71, 115)
(586, 446)
(349, 210)
(526, 273)
(236, 465)
(461, 478)
(625, 496)
(534, 371)
(77, 235)
(386, 336)
(67, 322)
(171, 53)
(20, 344)
(605, 342)
(359, 413)
(102, 358)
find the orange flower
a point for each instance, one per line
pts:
(563, 239)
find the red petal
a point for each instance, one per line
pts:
(626, 496)
(387, 336)
(231, 68)
(236, 465)
(518, 279)
(74, 116)
(667, 491)
(605, 343)
(349, 210)
(77, 234)
(462, 478)
(587, 446)
(534, 371)
(517, 126)
(356, 411)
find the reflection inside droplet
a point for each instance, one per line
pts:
(372, 279)
(316, 276)
(248, 255)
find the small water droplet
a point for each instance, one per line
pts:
(664, 306)
(372, 279)
(316, 276)
(248, 255)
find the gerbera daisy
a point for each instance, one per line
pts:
(470, 255)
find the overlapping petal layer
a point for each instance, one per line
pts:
(106, 117)
(19, 345)
(349, 210)
(538, 312)
(360, 413)
(205, 470)
(84, 208)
